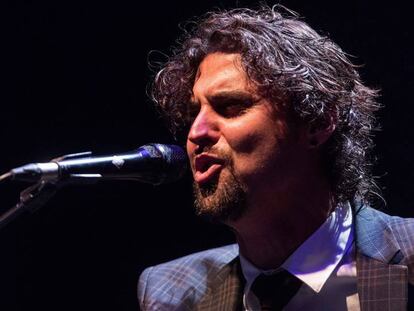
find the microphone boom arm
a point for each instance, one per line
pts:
(35, 196)
(31, 199)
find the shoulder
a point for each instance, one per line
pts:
(183, 278)
(401, 228)
(403, 231)
(198, 263)
(386, 230)
(369, 212)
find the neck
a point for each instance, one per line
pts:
(267, 241)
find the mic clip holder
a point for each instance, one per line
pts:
(35, 196)
(31, 199)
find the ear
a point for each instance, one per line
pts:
(319, 133)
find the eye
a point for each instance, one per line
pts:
(233, 108)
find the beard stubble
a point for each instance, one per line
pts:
(224, 198)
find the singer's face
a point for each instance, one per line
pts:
(238, 145)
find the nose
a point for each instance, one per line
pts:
(204, 131)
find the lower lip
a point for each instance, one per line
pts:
(208, 175)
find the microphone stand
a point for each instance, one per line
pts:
(31, 199)
(35, 196)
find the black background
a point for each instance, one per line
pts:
(74, 77)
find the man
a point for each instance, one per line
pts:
(278, 132)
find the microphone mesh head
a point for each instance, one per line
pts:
(174, 159)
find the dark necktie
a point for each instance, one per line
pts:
(275, 291)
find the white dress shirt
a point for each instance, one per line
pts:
(325, 263)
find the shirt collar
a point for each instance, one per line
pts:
(315, 260)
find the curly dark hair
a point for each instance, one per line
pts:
(285, 58)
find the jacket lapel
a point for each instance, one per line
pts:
(382, 283)
(226, 291)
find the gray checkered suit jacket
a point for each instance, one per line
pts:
(211, 280)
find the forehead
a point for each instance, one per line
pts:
(220, 72)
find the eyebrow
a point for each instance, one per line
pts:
(236, 95)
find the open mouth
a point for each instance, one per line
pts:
(207, 168)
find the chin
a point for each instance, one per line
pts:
(221, 200)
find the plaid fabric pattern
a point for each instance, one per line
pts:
(385, 261)
(381, 286)
(211, 280)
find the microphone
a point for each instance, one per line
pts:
(153, 163)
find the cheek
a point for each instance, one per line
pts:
(253, 134)
(245, 143)
(253, 149)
